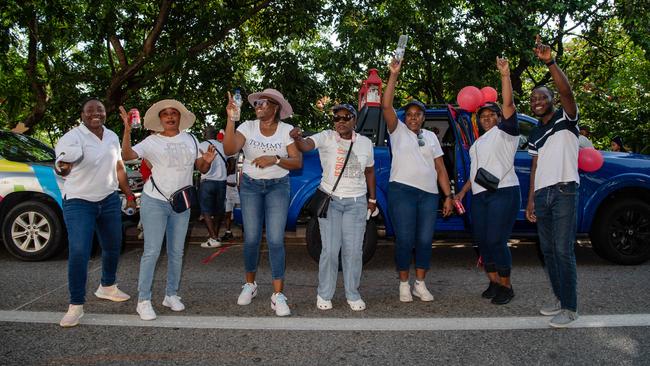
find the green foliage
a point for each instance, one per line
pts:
(137, 52)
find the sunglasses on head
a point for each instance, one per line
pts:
(346, 118)
(263, 102)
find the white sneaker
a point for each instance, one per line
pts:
(405, 292)
(551, 308)
(71, 318)
(420, 290)
(111, 293)
(323, 304)
(248, 292)
(279, 304)
(174, 303)
(145, 310)
(211, 243)
(358, 305)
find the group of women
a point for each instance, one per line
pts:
(271, 149)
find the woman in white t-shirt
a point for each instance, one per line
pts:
(343, 228)
(89, 160)
(173, 154)
(412, 190)
(494, 212)
(269, 154)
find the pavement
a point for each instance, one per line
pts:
(458, 327)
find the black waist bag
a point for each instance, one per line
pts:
(486, 180)
(182, 199)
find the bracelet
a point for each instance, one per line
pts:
(130, 197)
(372, 200)
(277, 159)
(450, 196)
(552, 62)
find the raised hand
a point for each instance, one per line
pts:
(295, 133)
(395, 66)
(503, 66)
(542, 51)
(125, 119)
(209, 155)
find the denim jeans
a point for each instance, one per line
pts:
(413, 213)
(493, 215)
(342, 231)
(158, 221)
(212, 196)
(82, 219)
(556, 210)
(264, 201)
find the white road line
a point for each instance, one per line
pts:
(331, 324)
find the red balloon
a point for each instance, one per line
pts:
(220, 136)
(589, 159)
(489, 94)
(469, 98)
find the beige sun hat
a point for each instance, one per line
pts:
(285, 108)
(152, 119)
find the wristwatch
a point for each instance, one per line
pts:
(372, 200)
(277, 159)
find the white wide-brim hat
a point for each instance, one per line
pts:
(285, 108)
(152, 118)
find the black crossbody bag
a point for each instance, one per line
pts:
(322, 200)
(182, 199)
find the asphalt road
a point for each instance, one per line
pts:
(459, 327)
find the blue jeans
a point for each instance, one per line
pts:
(413, 213)
(493, 215)
(212, 196)
(264, 201)
(82, 219)
(342, 231)
(556, 210)
(158, 221)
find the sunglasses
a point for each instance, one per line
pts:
(346, 118)
(263, 102)
(421, 139)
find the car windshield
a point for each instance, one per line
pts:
(20, 148)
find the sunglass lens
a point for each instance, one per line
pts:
(421, 142)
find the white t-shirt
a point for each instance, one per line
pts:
(583, 142)
(332, 157)
(218, 167)
(412, 164)
(94, 176)
(495, 152)
(556, 146)
(257, 145)
(172, 162)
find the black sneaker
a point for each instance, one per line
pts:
(491, 291)
(226, 236)
(503, 296)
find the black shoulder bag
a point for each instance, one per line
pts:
(182, 199)
(222, 158)
(486, 179)
(322, 199)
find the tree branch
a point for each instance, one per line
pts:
(119, 51)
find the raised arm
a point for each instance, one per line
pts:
(127, 151)
(543, 52)
(389, 93)
(303, 144)
(233, 141)
(510, 126)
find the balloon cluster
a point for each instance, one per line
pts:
(470, 98)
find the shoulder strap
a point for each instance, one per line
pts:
(347, 157)
(222, 158)
(156, 187)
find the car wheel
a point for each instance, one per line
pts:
(32, 231)
(621, 232)
(314, 244)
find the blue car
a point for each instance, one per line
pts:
(614, 204)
